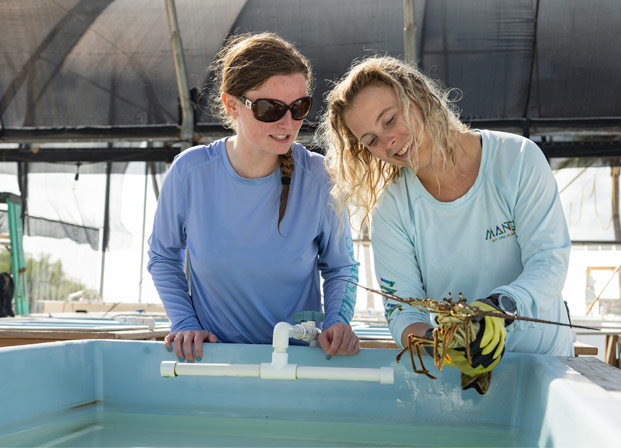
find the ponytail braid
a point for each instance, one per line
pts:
(286, 168)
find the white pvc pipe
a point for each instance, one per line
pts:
(383, 375)
(173, 368)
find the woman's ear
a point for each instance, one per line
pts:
(231, 103)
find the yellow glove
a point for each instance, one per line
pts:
(456, 357)
(459, 361)
(489, 344)
(479, 376)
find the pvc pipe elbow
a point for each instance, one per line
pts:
(280, 339)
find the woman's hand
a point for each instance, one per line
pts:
(417, 329)
(183, 341)
(339, 339)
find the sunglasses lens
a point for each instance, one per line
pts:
(301, 108)
(269, 110)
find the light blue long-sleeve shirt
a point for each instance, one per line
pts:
(507, 234)
(245, 275)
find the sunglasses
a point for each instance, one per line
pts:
(269, 111)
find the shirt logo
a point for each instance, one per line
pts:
(391, 311)
(387, 286)
(500, 232)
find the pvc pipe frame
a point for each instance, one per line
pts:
(383, 375)
(279, 368)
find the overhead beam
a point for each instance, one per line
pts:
(91, 155)
(168, 152)
(169, 133)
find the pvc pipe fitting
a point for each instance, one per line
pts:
(280, 340)
(305, 331)
(167, 369)
(274, 372)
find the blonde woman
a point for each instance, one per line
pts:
(255, 214)
(453, 209)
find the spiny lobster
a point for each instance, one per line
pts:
(456, 329)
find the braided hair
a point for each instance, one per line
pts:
(286, 168)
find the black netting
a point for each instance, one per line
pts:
(108, 63)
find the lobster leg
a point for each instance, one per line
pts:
(414, 344)
(467, 338)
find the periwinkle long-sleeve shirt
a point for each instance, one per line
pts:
(245, 275)
(507, 234)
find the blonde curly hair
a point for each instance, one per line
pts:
(358, 176)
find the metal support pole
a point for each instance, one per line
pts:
(106, 228)
(18, 261)
(187, 111)
(409, 33)
(144, 222)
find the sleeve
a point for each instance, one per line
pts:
(396, 265)
(336, 263)
(543, 238)
(167, 254)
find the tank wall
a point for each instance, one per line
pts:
(536, 396)
(131, 380)
(41, 379)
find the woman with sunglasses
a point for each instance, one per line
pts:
(460, 210)
(254, 213)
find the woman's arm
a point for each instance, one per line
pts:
(396, 265)
(167, 254)
(339, 270)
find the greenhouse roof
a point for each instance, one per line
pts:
(104, 71)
